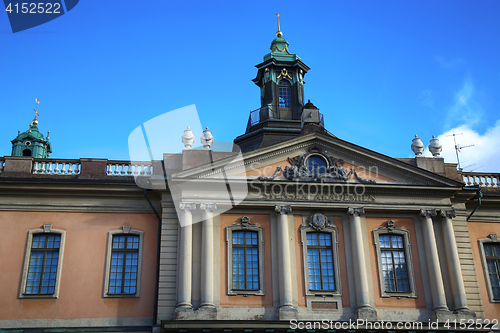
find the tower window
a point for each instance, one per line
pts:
(27, 152)
(284, 94)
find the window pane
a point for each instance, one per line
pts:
(492, 254)
(124, 264)
(42, 269)
(320, 261)
(245, 252)
(316, 165)
(284, 94)
(393, 262)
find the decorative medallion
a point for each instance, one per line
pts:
(284, 74)
(318, 221)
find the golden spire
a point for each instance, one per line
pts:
(35, 121)
(278, 33)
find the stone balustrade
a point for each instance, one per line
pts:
(84, 168)
(56, 167)
(488, 180)
(127, 168)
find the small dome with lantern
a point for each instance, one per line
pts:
(32, 143)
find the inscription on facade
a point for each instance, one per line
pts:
(350, 197)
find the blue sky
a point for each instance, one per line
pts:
(381, 71)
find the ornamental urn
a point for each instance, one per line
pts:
(207, 139)
(188, 138)
(435, 147)
(417, 146)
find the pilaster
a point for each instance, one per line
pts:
(364, 309)
(440, 309)
(185, 261)
(286, 309)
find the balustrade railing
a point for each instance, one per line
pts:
(56, 167)
(127, 168)
(2, 164)
(488, 180)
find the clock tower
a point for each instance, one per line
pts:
(280, 78)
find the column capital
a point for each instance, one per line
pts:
(448, 213)
(355, 211)
(283, 209)
(209, 207)
(428, 212)
(187, 206)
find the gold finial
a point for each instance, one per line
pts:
(48, 133)
(278, 33)
(35, 121)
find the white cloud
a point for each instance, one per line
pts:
(426, 98)
(447, 64)
(465, 108)
(484, 156)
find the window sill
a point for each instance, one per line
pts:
(246, 292)
(121, 296)
(399, 295)
(37, 296)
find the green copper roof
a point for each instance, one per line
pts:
(32, 133)
(279, 51)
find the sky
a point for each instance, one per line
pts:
(381, 72)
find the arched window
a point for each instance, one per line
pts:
(316, 165)
(27, 152)
(284, 94)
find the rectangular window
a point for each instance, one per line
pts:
(492, 256)
(393, 262)
(245, 256)
(319, 238)
(42, 263)
(245, 260)
(42, 271)
(320, 261)
(124, 265)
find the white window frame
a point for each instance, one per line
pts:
(333, 231)
(390, 229)
(126, 230)
(492, 238)
(46, 229)
(245, 225)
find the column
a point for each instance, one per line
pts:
(287, 310)
(457, 282)
(207, 256)
(431, 254)
(363, 309)
(185, 256)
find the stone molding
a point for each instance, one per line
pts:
(355, 211)
(283, 209)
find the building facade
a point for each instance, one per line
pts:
(303, 231)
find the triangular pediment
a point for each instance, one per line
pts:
(343, 162)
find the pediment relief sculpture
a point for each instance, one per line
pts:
(316, 166)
